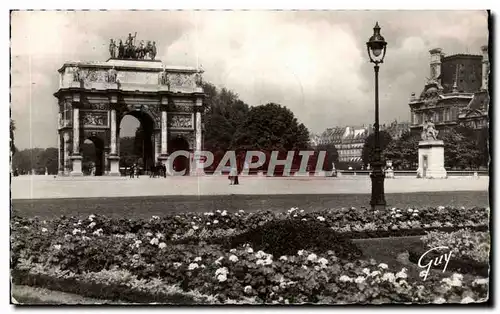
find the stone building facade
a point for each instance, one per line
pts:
(93, 98)
(456, 93)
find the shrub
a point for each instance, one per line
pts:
(289, 236)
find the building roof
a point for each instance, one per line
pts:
(480, 101)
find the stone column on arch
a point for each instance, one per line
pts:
(198, 164)
(76, 158)
(114, 159)
(163, 157)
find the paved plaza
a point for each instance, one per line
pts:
(49, 187)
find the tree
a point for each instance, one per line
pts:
(271, 127)
(403, 152)
(461, 149)
(224, 113)
(369, 146)
(13, 148)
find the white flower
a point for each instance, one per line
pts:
(221, 271)
(216, 221)
(481, 281)
(241, 211)
(401, 274)
(208, 224)
(249, 250)
(300, 252)
(247, 289)
(303, 219)
(98, 232)
(159, 235)
(312, 257)
(457, 276)
(155, 217)
(283, 258)
(467, 300)
(320, 218)
(218, 210)
(383, 266)
(45, 230)
(359, 279)
(195, 227)
(323, 261)
(154, 241)
(261, 254)
(233, 258)
(91, 217)
(389, 277)
(375, 273)
(301, 210)
(304, 266)
(193, 266)
(366, 271)
(57, 246)
(232, 251)
(439, 300)
(398, 215)
(75, 231)
(414, 214)
(224, 213)
(197, 259)
(398, 210)
(291, 210)
(177, 264)
(162, 245)
(295, 215)
(415, 211)
(260, 262)
(345, 278)
(137, 242)
(222, 278)
(423, 273)
(149, 234)
(440, 207)
(410, 210)
(92, 225)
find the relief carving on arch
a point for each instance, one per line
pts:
(94, 118)
(181, 121)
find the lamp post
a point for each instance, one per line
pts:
(376, 47)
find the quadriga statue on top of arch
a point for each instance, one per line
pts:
(131, 49)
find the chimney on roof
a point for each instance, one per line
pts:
(435, 64)
(486, 68)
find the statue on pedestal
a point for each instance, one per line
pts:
(112, 48)
(121, 50)
(429, 132)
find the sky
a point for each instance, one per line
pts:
(313, 62)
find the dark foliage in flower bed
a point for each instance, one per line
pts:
(288, 236)
(108, 291)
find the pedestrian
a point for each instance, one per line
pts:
(131, 171)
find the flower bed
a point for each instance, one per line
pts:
(470, 250)
(136, 258)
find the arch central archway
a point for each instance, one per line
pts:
(141, 150)
(181, 162)
(93, 156)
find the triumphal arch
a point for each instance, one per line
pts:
(94, 97)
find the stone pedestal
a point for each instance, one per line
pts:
(114, 165)
(77, 166)
(431, 160)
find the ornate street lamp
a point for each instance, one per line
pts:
(376, 47)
